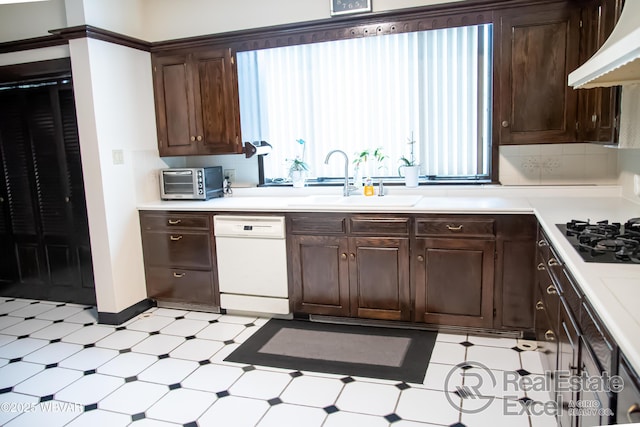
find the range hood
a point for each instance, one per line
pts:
(617, 62)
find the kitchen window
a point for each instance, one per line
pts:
(431, 87)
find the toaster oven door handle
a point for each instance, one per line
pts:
(177, 173)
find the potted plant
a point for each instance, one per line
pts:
(359, 163)
(298, 168)
(409, 166)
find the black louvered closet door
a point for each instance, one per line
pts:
(45, 195)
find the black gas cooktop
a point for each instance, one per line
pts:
(604, 241)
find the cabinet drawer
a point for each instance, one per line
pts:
(455, 227)
(178, 249)
(379, 226)
(596, 336)
(159, 222)
(178, 285)
(317, 224)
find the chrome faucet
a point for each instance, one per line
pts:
(347, 188)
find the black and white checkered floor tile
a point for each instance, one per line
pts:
(166, 368)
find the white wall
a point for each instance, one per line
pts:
(26, 20)
(170, 19)
(114, 101)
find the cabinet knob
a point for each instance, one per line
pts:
(539, 305)
(1, 199)
(193, 138)
(199, 137)
(175, 238)
(633, 413)
(178, 275)
(549, 335)
(505, 124)
(551, 290)
(67, 199)
(420, 258)
(343, 256)
(541, 266)
(174, 221)
(553, 262)
(352, 256)
(454, 227)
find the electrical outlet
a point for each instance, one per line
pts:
(230, 175)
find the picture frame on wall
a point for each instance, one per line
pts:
(346, 7)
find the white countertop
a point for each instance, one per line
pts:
(612, 289)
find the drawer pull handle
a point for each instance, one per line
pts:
(454, 227)
(343, 256)
(551, 290)
(539, 305)
(541, 266)
(542, 243)
(633, 410)
(174, 221)
(175, 238)
(420, 258)
(553, 262)
(178, 275)
(549, 335)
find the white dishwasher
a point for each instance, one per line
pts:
(252, 263)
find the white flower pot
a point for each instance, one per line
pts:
(411, 174)
(298, 178)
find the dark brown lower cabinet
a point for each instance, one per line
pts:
(454, 281)
(379, 278)
(179, 258)
(320, 273)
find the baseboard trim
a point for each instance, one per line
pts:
(126, 314)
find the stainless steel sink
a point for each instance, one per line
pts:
(393, 200)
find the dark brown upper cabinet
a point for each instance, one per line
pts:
(539, 47)
(197, 107)
(598, 108)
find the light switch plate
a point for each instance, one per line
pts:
(118, 157)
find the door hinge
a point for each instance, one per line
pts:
(581, 23)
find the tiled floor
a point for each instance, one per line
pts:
(166, 368)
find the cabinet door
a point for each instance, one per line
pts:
(217, 103)
(175, 108)
(320, 273)
(598, 107)
(379, 278)
(454, 281)
(538, 50)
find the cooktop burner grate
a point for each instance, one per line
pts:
(604, 241)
